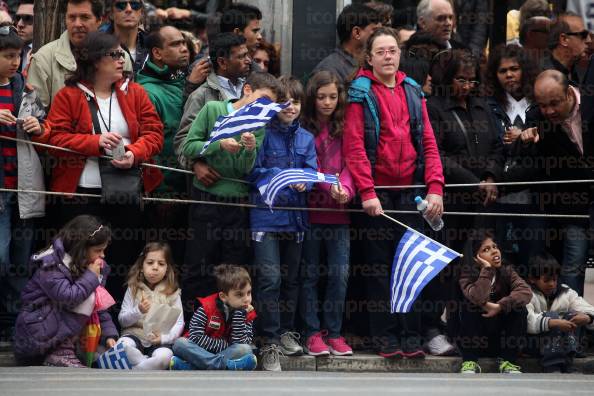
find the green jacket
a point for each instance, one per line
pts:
(165, 89)
(235, 166)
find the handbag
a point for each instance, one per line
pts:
(118, 186)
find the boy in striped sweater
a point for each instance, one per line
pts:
(221, 329)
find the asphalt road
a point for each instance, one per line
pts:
(41, 381)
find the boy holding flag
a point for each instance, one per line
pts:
(219, 233)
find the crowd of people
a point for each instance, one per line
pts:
(106, 158)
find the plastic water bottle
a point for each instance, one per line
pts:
(436, 224)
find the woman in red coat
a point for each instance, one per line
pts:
(126, 116)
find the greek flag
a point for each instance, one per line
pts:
(245, 119)
(114, 358)
(418, 259)
(270, 188)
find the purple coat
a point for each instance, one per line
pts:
(46, 318)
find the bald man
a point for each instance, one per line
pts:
(563, 147)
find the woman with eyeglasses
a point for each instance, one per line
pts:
(389, 144)
(467, 136)
(126, 119)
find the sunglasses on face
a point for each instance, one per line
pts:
(5, 30)
(26, 18)
(583, 34)
(116, 55)
(121, 5)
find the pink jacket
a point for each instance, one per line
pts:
(330, 161)
(396, 154)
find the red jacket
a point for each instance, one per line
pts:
(396, 154)
(71, 126)
(216, 326)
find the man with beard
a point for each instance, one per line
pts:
(50, 65)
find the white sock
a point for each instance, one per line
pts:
(158, 361)
(134, 355)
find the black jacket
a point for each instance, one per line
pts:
(474, 19)
(557, 158)
(466, 159)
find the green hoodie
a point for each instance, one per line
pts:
(235, 166)
(165, 90)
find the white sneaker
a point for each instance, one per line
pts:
(270, 356)
(440, 346)
(289, 344)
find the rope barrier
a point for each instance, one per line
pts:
(331, 210)
(188, 172)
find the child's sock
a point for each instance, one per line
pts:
(134, 355)
(158, 361)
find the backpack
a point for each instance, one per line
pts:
(360, 92)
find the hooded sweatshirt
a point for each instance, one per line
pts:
(165, 88)
(396, 154)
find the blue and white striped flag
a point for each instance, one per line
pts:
(270, 188)
(418, 259)
(245, 119)
(114, 358)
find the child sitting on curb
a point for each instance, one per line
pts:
(221, 328)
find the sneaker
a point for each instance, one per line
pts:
(339, 347)
(506, 367)
(391, 351)
(316, 346)
(179, 364)
(270, 355)
(246, 363)
(289, 344)
(470, 367)
(412, 349)
(440, 346)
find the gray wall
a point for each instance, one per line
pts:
(278, 28)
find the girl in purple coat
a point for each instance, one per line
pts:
(59, 299)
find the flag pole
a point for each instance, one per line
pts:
(417, 232)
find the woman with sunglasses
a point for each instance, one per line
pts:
(466, 133)
(126, 117)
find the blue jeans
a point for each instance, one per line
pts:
(276, 258)
(201, 359)
(16, 242)
(335, 239)
(575, 249)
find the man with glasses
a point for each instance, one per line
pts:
(24, 24)
(126, 16)
(568, 41)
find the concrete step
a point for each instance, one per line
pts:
(367, 362)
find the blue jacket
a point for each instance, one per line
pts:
(282, 148)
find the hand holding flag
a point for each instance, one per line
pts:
(245, 119)
(271, 186)
(418, 259)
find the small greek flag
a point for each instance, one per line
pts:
(114, 358)
(270, 188)
(248, 118)
(418, 259)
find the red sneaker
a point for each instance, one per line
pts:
(316, 346)
(339, 347)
